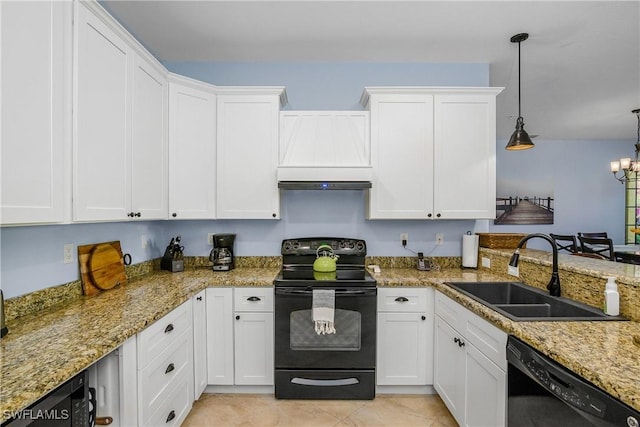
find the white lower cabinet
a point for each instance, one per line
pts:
(165, 369)
(199, 302)
(240, 336)
(469, 365)
(405, 336)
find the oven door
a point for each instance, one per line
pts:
(298, 346)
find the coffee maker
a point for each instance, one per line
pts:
(222, 252)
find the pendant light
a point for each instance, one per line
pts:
(519, 139)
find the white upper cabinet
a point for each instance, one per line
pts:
(433, 152)
(149, 183)
(247, 152)
(401, 152)
(120, 144)
(465, 155)
(192, 149)
(102, 120)
(36, 111)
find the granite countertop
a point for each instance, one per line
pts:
(45, 349)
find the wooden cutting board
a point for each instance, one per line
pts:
(101, 267)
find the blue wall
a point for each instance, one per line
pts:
(586, 196)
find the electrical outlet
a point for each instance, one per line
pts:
(404, 238)
(513, 271)
(486, 262)
(144, 241)
(210, 238)
(68, 253)
(439, 238)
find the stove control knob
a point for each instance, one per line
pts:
(360, 245)
(286, 246)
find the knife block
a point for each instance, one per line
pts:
(169, 263)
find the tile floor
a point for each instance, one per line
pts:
(264, 410)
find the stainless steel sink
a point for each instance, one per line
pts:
(521, 302)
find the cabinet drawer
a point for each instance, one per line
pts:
(253, 299)
(413, 300)
(163, 333)
(450, 311)
(487, 338)
(160, 376)
(173, 408)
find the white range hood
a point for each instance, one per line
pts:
(319, 147)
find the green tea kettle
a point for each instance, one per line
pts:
(326, 261)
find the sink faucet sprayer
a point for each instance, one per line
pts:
(554, 283)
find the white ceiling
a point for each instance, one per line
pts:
(580, 65)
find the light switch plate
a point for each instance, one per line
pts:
(68, 253)
(513, 271)
(486, 262)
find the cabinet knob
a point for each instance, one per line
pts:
(171, 416)
(423, 317)
(170, 368)
(274, 215)
(138, 214)
(438, 215)
(174, 214)
(238, 317)
(169, 328)
(429, 215)
(130, 214)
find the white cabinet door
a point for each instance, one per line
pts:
(102, 128)
(465, 151)
(485, 390)
(401, 156)
(149, 142)
(220, 336)
(192, 156)
(199, 343)
(254, 348)
(449, 373)
(35, 111)
(402, 349)
(248, 129)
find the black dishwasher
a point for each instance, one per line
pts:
(542, 393)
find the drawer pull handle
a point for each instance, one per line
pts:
(171, 416)
(169, 328)
(253, 299)
(170, 368)
(401, 299)
(458, 341)
(199, 298)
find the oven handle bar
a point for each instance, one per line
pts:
(339, 292)
(325, 383)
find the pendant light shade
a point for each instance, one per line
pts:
(520, 139)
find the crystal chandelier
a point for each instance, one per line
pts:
(629, 167)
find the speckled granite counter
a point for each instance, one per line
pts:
(45, 349)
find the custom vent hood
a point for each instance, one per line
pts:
(324, 150)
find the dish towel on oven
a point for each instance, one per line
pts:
(323, 310)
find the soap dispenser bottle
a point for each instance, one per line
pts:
(611, 298)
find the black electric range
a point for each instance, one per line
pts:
(339, 365)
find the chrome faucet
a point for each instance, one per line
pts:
(554, 283)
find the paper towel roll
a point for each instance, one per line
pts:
(470, 250)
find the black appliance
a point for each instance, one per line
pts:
(66, 406)
(222, 252)
(543, 393)
(309, 365)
